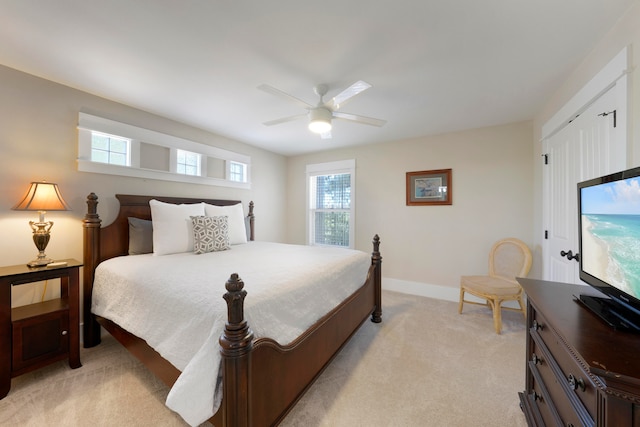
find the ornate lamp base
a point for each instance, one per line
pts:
(41, 238)
(40, 261)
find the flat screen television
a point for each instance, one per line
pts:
(609, 239)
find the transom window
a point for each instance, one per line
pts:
(115, 148)
(110, 149)
(237, 172)
(188, 163)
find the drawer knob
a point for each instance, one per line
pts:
(536, 396)
(536, 326)
(574, 382)
(535, 359)
(64, 333)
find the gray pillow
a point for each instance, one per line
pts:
(140, 236)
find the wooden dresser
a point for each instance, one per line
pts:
(579, 371)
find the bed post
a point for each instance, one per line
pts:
(251, 221)
(376, 260)
(91, 255)
(236, 343)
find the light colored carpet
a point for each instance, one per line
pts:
(424, 365)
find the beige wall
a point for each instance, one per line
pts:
(38, 141)
(496, 176)
(492, 198)
(625, 33)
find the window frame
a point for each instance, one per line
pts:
(109, 151)
(186, 165)
(330, 168)
(230, 173)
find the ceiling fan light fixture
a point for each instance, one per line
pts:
(319, 120)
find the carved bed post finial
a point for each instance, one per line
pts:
(92, 206)
(236, 343)
(91, 237)
(376, 260)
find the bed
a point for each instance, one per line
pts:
(261, 378)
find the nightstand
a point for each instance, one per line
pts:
(36, 335)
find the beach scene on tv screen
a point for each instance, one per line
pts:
(611, 233)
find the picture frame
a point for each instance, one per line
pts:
(431, 187)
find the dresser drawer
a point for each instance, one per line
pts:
(540, 402)
(569, 408)
(569, 369)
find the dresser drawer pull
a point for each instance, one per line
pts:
(536, 396)
(64, 333)
(536, 326)
(535, 359)
(574, 382)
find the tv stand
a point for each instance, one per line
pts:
(579, 371)
(613, 314)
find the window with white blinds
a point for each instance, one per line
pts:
(330, 203)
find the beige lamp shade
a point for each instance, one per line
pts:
(42, 196)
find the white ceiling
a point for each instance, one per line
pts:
(435, 66)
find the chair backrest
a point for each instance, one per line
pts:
(510, 258)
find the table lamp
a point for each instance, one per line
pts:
(42, 197)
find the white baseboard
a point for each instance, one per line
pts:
(446, 293)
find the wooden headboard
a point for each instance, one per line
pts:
(102, 243)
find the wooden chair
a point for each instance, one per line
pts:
(508, 259)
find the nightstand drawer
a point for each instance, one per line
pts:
(40, 335)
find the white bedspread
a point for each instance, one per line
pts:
(175, 303)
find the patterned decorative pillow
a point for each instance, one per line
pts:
(211, 234)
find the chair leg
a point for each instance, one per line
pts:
(461, 300)
(522, 307)
(497, 315)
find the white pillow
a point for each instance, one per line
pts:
(172, 227)
(235, 214)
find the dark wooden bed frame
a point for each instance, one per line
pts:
(262, 380)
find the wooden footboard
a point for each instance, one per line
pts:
(262, 380)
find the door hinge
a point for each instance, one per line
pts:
(546, 159)
(605, 114)
(546, 234)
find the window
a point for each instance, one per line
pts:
(330, 203)
(110, 149)
(237, 172)
(188, 163)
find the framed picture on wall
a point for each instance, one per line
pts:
(429, 187)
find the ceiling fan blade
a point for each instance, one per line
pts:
(340, 99)
(359, 119)
(285, 119)
(277, 92)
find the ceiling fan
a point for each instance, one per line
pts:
(320, 115)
